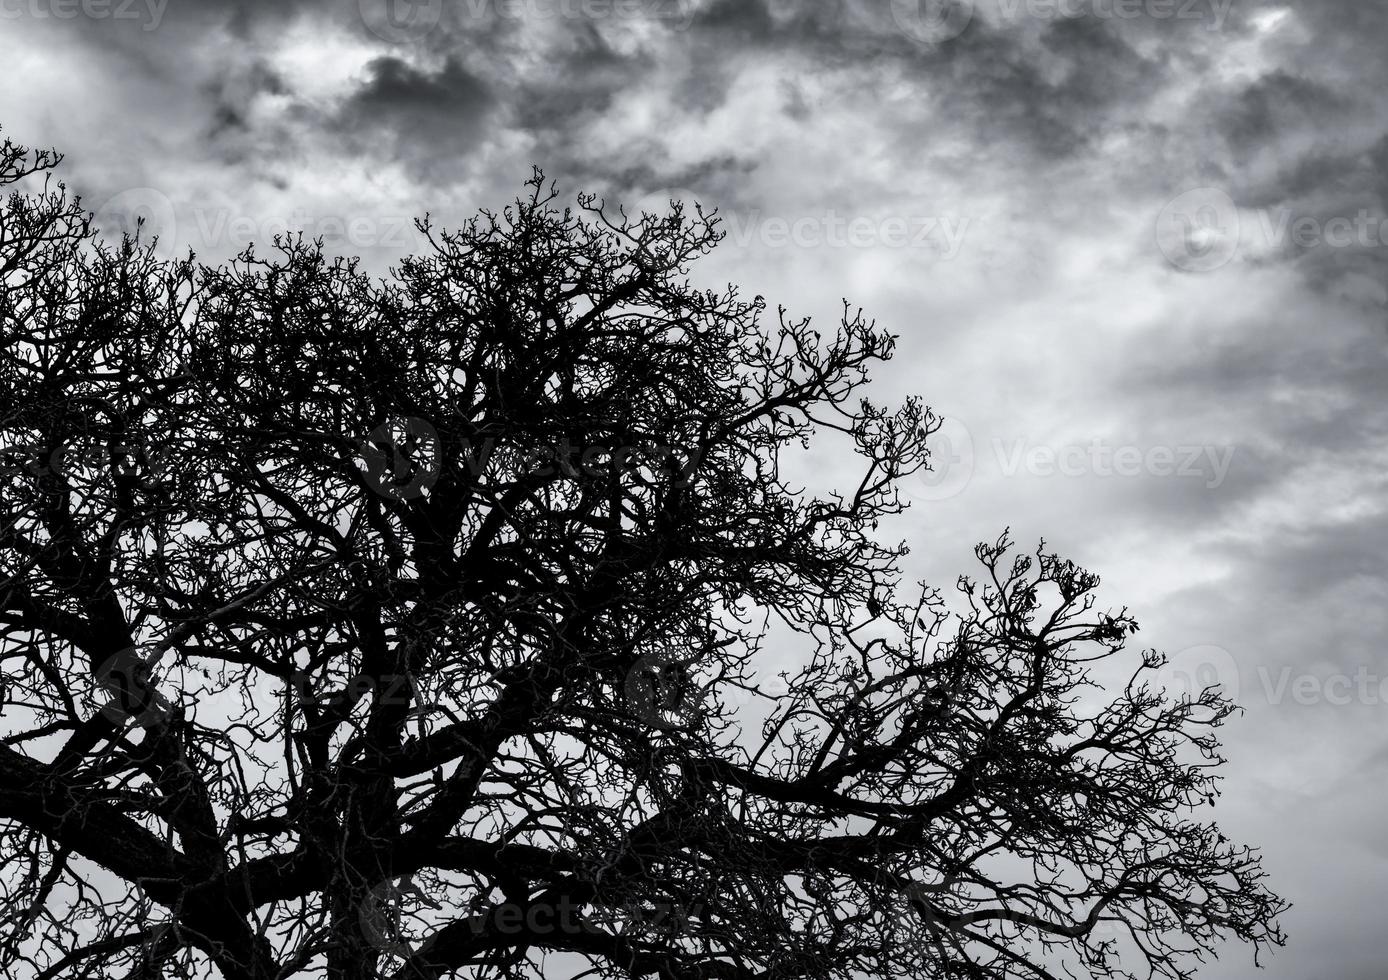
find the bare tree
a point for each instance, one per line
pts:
(415, 627)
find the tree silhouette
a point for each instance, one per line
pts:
(414, 627)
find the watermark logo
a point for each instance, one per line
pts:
(141, 213)
(30, 459)
(1335, 688)
(221, 226)
(382, 911)
(148, 13)
(1214, 12)
(950, 458)
(785, 10)
(402, 458)
(408, 21)
(932, 22)
(662, 693)
(1203, 230)
(1194, 669)
(1190, 672)
(129, 460)
(677, 14)
(1099, 458)
(942, 234)
(400, 21)
(129, 679)
(953, 459)
(1199, 230)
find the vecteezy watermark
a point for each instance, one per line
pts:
(1213, 13)
(1103, 459)
(942, 234)
(402, 459)
(221, 226)
(408, 21)
(400, 21)
(564, 916)
(147, 13)
(1338, 689)
(949, 452)
(141, 213)
(932, 22)
(1198, 231)
(1203, 230)
(675, 13)
(954, 459)
(126, 459)
(1194, 669)
(129, 678)
(661, 692)
(149, 215)
(383, 910)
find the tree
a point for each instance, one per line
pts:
(414, 627)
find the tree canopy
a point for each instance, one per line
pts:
(469, 622)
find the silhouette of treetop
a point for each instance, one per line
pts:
(421, 627)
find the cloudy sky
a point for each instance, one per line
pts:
(1136, 251)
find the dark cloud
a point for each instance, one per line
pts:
(1273, 105)
(431, 120)
(396, 93)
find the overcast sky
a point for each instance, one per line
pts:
(1134, 250)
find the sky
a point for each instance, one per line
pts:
(1136, 252)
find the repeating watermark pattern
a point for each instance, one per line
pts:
(133, 459)
(409, 21)
(1203, 229)
(400, 21)
(128, 678)
(941, 234)
(565, 916)
(402, 459)
(661, 691)
(1101, 458)
(1336, 688)
(1212, 13)
(148, 14)
(1189, 672)
(954, 461)
(141, 213)
(950, 457)
(674, 13)
(1198, 231)
(932, 22)
(382, 913)
(389, 689)
(1196, 668)
(150, 215)
(223, 226)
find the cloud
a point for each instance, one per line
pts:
(430, 119)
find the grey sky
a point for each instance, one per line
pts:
(1136, 250)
